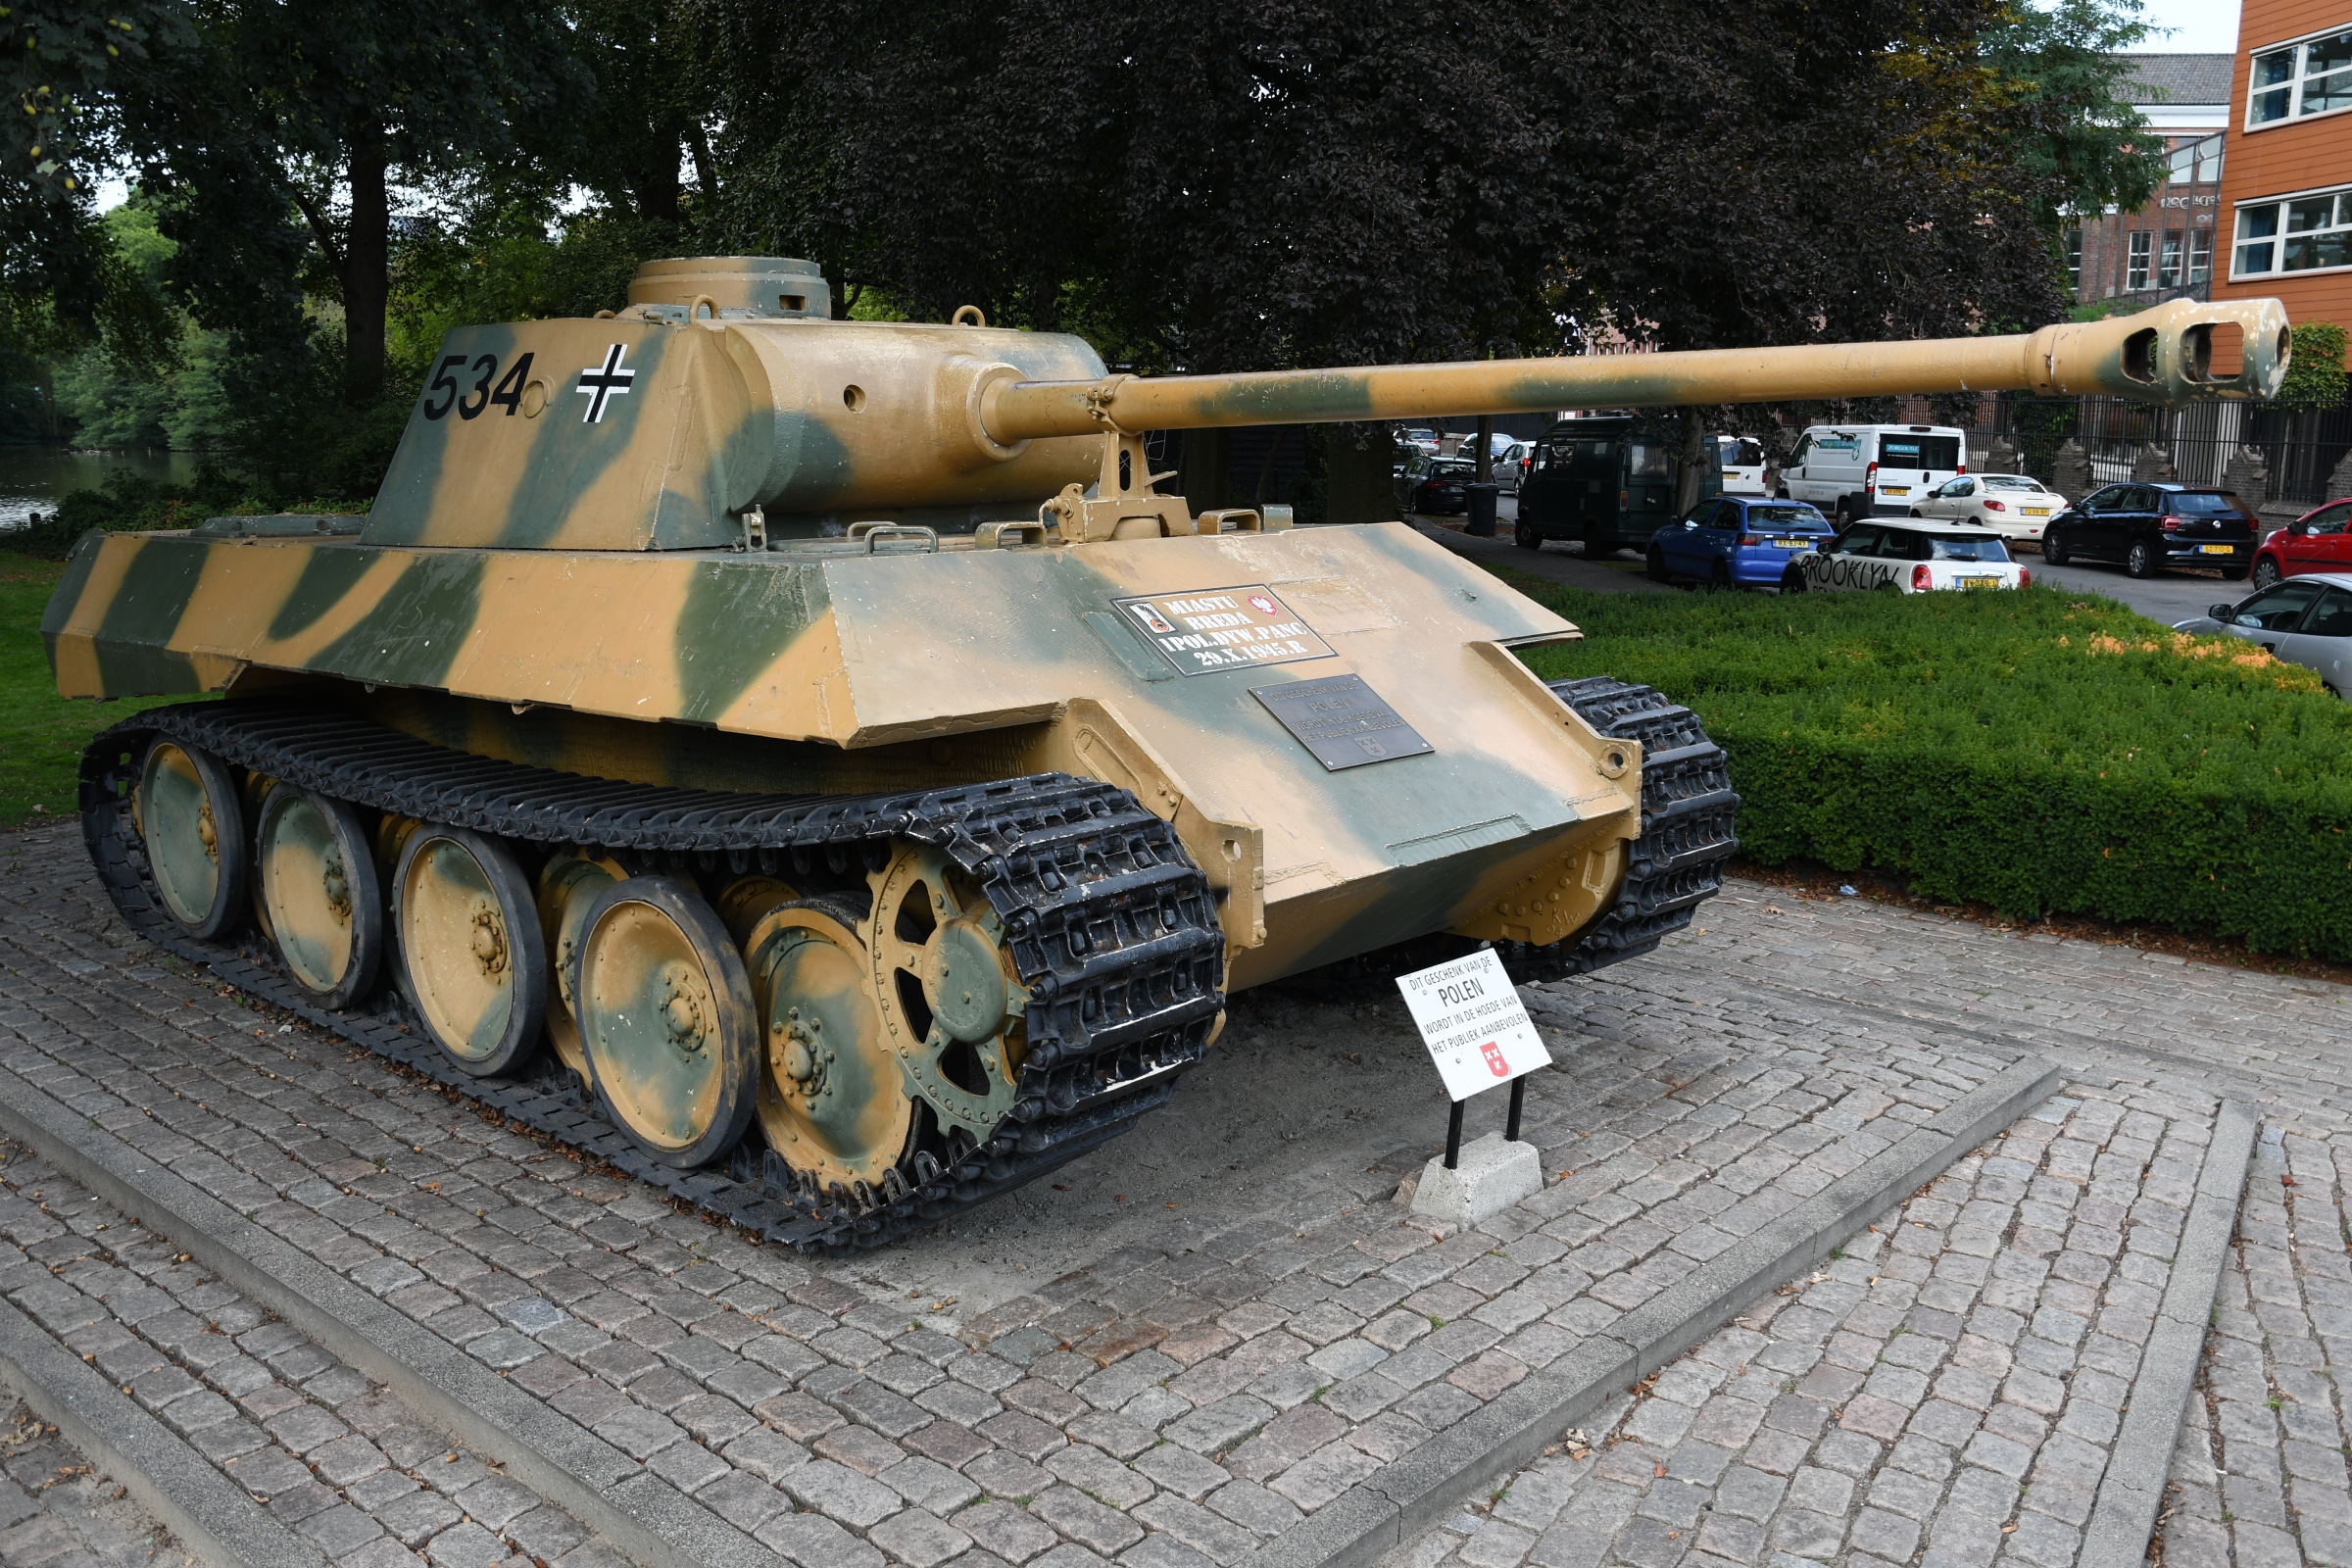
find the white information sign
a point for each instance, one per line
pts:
(1473, 1022)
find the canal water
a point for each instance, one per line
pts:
(33, 478)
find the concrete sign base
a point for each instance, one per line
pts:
(1493, 1175)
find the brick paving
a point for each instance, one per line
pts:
(56, 1511)
(1193, 1393)
(333, 1455)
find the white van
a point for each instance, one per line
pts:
(1742, 463)
(1853, 471)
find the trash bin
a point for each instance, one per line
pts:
(1482, 509)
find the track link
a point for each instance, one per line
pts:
(1110, 926)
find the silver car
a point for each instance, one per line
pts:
(2304, 620)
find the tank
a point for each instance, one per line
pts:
(813, 764)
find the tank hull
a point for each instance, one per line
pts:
(826, 668)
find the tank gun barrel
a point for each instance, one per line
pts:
(2163, 354)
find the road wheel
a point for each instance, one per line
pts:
(189, 812)
(1525, 536)
(568, 884)
(666, 1019)
(832, 1100)
(323, 898)
(2266, 574)
(2053, 547)
(471, 947)
(945, 985)
(2139, 560)
(1654, 568)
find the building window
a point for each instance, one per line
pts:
(2168, 270)
(2302, 78)
(2136, 276)
(2200, 257)
(2301, 235)
(2074, 261)
(2197, 163)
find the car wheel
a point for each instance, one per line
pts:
(2266, 574)
(1525, 536)
(2053, 548)
(1655, 566)
(1719, 575)
(2139, 560)
(1916, 513)
(1793, 581)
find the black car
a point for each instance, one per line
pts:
(1446, 488)
(2145, 526)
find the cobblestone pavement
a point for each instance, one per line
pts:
(1182, 1375)
(333, 1455)
(56, 1512)
(1771, 1441)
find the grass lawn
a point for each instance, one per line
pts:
(41, 734)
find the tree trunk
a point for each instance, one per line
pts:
(1485, 449)
(1695, 452)
(367, 260)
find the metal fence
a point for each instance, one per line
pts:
(2301, 449)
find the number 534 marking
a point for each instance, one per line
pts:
(471, 402)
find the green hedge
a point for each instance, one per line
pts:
(129, 503)
(2038, 751)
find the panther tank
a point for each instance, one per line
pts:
(811, 764)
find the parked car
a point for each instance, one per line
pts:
(2305, 621)
(1854, 472)
(2015, 506)
(1608, 481)
(1742, 464)
(2317, 541)
(1420, 436)
(1907, 557)
(2147, 525)
(1738, 541)
(1447, 488)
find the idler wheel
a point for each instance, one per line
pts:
(470, 942)
(950, 1002)
(568, 884)
(322, 899)
(832, 1098)
(666, 1019)
(190, 813)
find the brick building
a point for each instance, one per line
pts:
(2166, 249)
(2287, 192)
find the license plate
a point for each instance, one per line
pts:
(1979, 582)
(1895, 489)
(1795, 543)
(2219, 550)
(2038, 512)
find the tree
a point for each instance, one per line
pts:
(2059, 76)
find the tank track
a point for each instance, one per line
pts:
(1676, 864)
(1111, 927)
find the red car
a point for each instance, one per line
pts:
(2317, 541)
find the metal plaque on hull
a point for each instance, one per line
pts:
(1223, 628)
(1342, 721)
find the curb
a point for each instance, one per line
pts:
(202, 1509)
(1411, 1496)
(2124, 1517)
(636, 1510)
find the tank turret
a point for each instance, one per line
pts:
(809, 763)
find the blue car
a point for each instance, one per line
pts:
(1738, 541)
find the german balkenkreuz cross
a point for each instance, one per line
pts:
(609, 379)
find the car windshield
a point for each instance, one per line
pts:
(1921, 451)
(2010, 481)
(1452, 469)
(1967, 547)
(2205, 503)
(1787, 515)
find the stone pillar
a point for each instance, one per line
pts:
(1361, 489)
(2247, 475)
(1997, 456)
(2340, 479)
(2152, 463)
(2069, 470)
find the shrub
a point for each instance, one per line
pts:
(129, 503)
(2033, 751)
